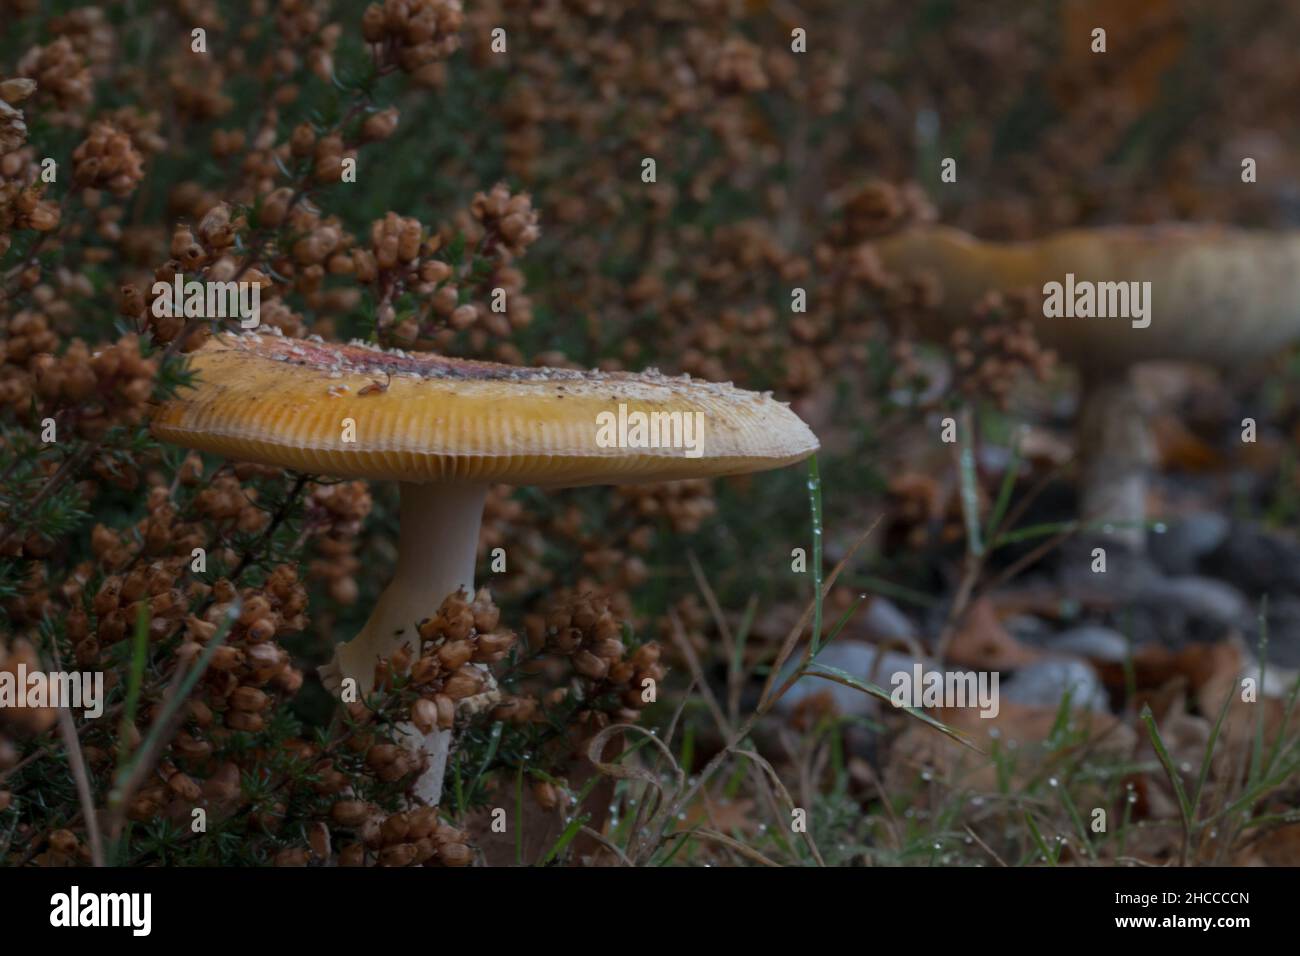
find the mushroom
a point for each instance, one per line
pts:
(1218, 296)
(446, 429)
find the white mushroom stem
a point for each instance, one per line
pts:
(1117, 454)
(437, 545)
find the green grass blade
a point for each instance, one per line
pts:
(571, 831)
(1005, 489)
(1204, 775)
(1043, 848)
(815, 503)
(1184, 805)
(139, 653)
(1257, 745)
(834, 674)
(970, 498)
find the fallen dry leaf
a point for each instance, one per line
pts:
(1178, 447)
(981, 641)
(1277, 847)
(1155, 667)
(726, 816)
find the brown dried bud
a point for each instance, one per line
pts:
(424, 714)
(379, 126)
(455, 653)
(464, 683)
(455, 854)
(589, 665)
(184, 786)
(292, 856)
(354, 854)
(350, 813)
(403, 854)
(318, 835)
(381, 755)
(546, 794)
(249, 699)
(396, 828)
(446, 711)
(492, 647)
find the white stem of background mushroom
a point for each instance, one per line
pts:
(1117, 454)
(437, 545)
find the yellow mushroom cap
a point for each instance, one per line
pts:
(1218, 295)
(419, 417)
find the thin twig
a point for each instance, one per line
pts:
(987, 849)
(77, 764)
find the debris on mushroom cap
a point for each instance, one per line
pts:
(421, 417)
(1217, 295)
